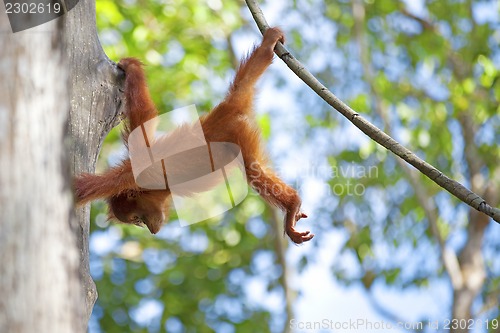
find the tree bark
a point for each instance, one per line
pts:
(95, 100)
(39, 282)
(472, 265)
(46, 73)
(473, 272)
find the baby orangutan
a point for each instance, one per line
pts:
(230, 121)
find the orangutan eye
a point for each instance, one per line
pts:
(132, 195)
(136, 220)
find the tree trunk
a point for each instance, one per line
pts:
(39, 282)
(471, 259)
(473, 272)
(46, 73)
(95, 98)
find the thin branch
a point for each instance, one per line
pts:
(381, 309)
(232, 55)
(452, 186)
(490, 303)
(280, 245)
(427, 25)
(378, 306)
(458, 65)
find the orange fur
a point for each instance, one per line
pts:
(231, 121)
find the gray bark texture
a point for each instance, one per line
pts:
(39, 282)
(95, 101)
(59, 97)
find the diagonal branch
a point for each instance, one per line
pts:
(384, 311)
(452, 186)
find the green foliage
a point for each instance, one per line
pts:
(183, 43)
(196, 276)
